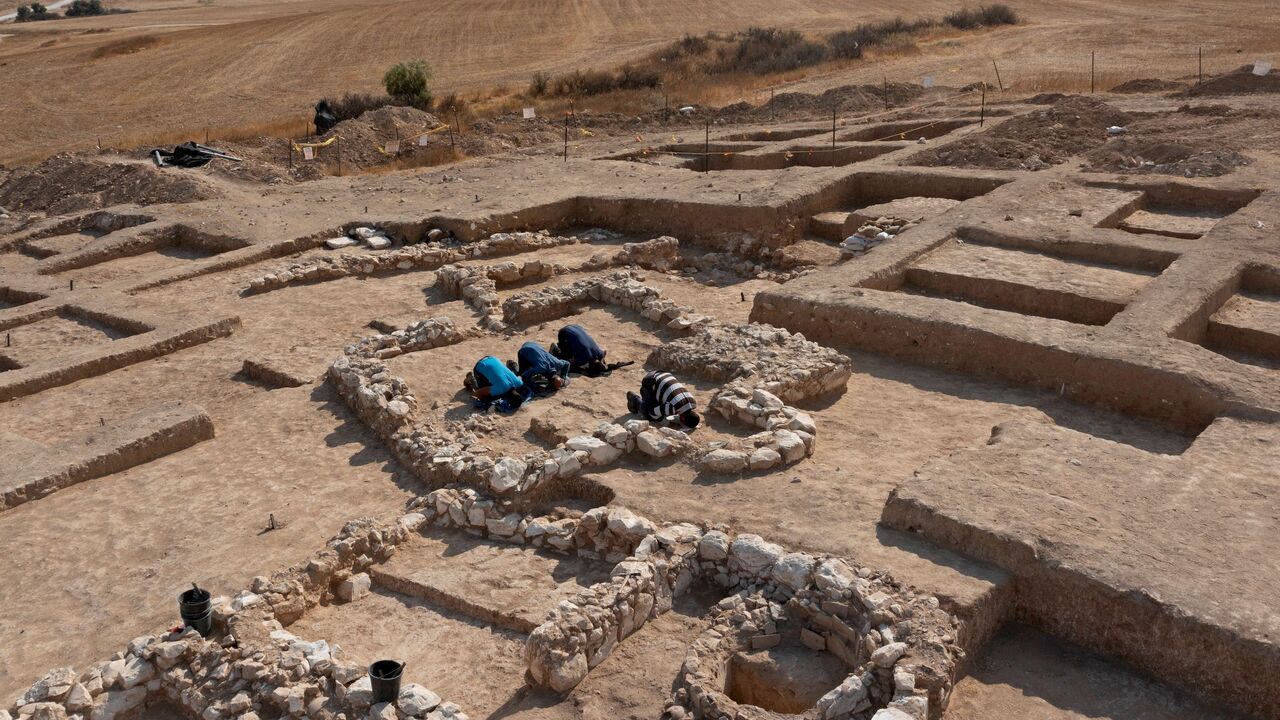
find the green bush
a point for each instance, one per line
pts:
(407, 82)
(84, 8)
(33, 12)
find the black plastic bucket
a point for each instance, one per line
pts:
(384, 676)
(202, 624)
(196, 607)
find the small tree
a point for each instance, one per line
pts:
(82, 8)
(24, 14)
(407, 82)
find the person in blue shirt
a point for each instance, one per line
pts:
(584, 355)
(493, 383)
(543, 372)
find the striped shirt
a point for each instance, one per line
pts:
(664, 395)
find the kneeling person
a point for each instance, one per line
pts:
(543, 372)
(492, 383)
(662, 398)
(585, 356)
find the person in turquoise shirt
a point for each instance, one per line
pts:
(492, 383)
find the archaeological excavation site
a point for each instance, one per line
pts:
(989, 398)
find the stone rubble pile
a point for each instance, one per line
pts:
(873, 233)
(250, 666)
(424, 256)
(779, 361)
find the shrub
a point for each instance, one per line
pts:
(450, 104)
(539, 84)
(687, 46)
(984, 16)
(846, 44)
(84, 8)
(33, 12)
(852, 43)
(407, 82)
(638, 78)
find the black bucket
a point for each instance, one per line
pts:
(196, 608)
(203, 624)
(384, 676)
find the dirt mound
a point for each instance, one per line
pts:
(845, 99)
(1045, 98)
(1156, 157)
(1148, 85)
(1240, 81)
(1033, 141)
(68, 183)
(365, 138)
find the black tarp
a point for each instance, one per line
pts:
(188, 155)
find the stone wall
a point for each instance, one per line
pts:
(885, 631)
(250, 666)
(425, 256)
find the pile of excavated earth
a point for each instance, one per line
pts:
(990, 420)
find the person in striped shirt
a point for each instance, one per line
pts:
(662, 398)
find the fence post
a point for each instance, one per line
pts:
(706, 149)
(289, 145)
(998, 80)
(456, 121)
(886, 92)
(833, 135)
(339, 156)
(566, 137)
(1092, 71)
(1200, 68)
(982, 115)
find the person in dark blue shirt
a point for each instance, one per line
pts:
(540, 370)
(492, 383)
(584, 355)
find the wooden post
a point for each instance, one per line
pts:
(1092, 71)
(289, 145)
(833, 135)
(339, 156)
(451, 144)
(982, 116)
(206, 136)
(886, 92)
(998, 80)
(706, 149)
(1200, 70)
(456, 121)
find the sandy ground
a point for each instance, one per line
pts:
(1027, 675)
(236, 63)
(112, 552)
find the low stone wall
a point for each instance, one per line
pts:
(902, 645)
(427, 256)
(250, 666)
(440, 452)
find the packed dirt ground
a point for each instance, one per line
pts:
(1009, 451)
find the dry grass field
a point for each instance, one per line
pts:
(185, 65)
